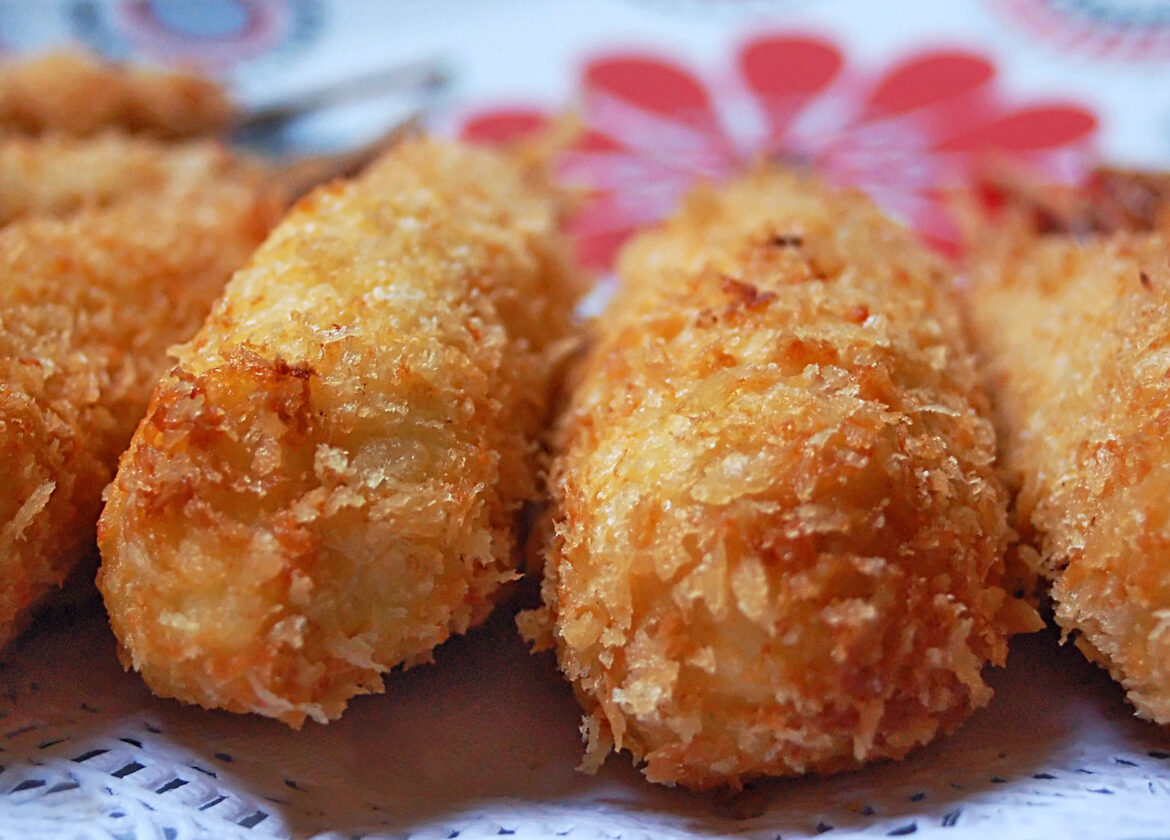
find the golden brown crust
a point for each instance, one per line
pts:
(58, 174)
(88, 307)
(1074, 335)
(327, 484)
(778, 531)
(77, 94)
(1111, 200)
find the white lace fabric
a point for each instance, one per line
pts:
(484, 743)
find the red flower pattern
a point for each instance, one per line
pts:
(930, 122)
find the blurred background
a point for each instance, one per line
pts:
(905, 99)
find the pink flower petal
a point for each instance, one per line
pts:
(907, 134)
(506, 125)
(596, 251)
(626, 172)
(786, 73)
(934, 221)
(1026, 130)
(503, 125)
(650, 84)
(641, 98)
(927, 79)
(596, 141)
(610, 210)
(779, 67)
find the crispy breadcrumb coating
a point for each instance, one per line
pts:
(1111, 200)
(78, 94)
(328, 483)
(1075, 336)
(58, 174)
(88, 307)
(778, 530)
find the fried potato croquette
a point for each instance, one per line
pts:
(59, 174)
(88, 307)
(1075, 335)
(77, 94)
(328, 483)
(1111, 200)
(778, 534)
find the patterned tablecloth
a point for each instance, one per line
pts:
(905, 99)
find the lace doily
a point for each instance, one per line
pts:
(484, 743)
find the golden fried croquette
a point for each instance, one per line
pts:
(327, 485)
(778, 534)
(1074, 335)
(88, 307)
(59, 174)
(1111, 200)
(77, 94)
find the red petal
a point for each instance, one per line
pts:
(789, 66)
(503, 125)
(596, 251)
(648, 83)
(926, 80)
(595, 141)
(663, 93)
(1026, 130)
(947, 245)
(608, 210)
(609, 171)
(935, 223)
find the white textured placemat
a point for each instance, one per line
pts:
(483, 743)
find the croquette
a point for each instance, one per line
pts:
(88, 306)
(776, 533)
(75, 93)
(59, 174)
(330, 481)
(1073, 333)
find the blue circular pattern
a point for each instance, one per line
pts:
(207, 19)
(1118, 13)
